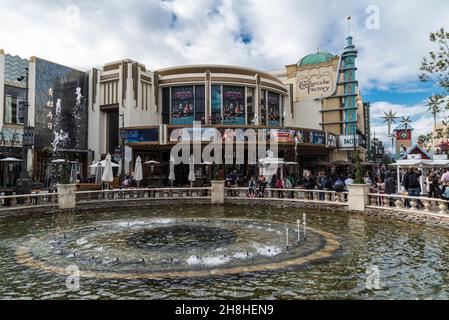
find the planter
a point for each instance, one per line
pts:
(358, 196)
(217, 192)
(66, 196)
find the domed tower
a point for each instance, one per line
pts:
(348, 68)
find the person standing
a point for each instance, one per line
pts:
(309, 184)
(320, 181)
(279, 185)
(348, 182)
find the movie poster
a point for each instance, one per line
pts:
(182, 105)
(274, 116)
(233, 105)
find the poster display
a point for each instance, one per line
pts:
(233, 105)
(274, 109)
(182, 105)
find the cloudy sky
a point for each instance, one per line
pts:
(263, 34)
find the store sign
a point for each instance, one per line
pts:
(316, 83)
(414, 156)
(440, 157)
(331, 140)
(347, 141)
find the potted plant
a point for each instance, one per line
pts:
(66, 190)
(358, 192)
(218, 185)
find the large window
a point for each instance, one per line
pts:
(274, 109)
(250, 105)
(234, 105)
(182, 101)
(263, 108)
(216, 105)
(14, 105)
(200, 103)
(166, 106)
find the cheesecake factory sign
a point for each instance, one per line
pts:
(315, 83)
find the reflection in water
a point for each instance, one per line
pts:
(412, 260)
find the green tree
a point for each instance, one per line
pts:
(435, 67)
(358, 168)
(434, 106)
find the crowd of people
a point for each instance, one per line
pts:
(381, 181)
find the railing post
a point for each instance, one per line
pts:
(217, 192)
(66, 196)
(358, 196)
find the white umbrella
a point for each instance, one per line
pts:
(119, 173)
(153, 163)
(108, 176)
(138, 174)
(10, 160)
(98, 173)
(192, 170)
(58, 161)
(73, 173)
(103, 164)
(172, 176)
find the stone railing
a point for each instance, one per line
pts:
(302, 195)
(401, 203)
(42, 200)
(142, 194)
(17, 202)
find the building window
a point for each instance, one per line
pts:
(166, 106)
(274, 109)
(113, 131)
(263, 108)
(234, 105)
(182, 101)
(216, 105)
(200, 103)
(250, 105)
(14, 105)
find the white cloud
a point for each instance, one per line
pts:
(422, 119)
(207, 31)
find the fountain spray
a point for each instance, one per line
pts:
(304, 224)
(298, 222)
(286, 236)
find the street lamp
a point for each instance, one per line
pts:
(23, 184)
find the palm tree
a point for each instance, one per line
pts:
(433, 104)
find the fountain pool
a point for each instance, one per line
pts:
(204, 252)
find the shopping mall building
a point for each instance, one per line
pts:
(312, 109)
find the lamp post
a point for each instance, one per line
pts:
(23, 184)
(122, 149)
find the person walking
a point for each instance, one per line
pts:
(309, 184)
(279, 185)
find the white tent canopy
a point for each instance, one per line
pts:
(417, 163)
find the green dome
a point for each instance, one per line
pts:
(316, 58)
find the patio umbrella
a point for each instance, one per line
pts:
(172, 176)
(139, 174)
(98, 173)
(73, 173)
(10, 160)
(119, 173)
(108, 176)
(192, 170)
(103, 164)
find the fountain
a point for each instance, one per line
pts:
(239, 252)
